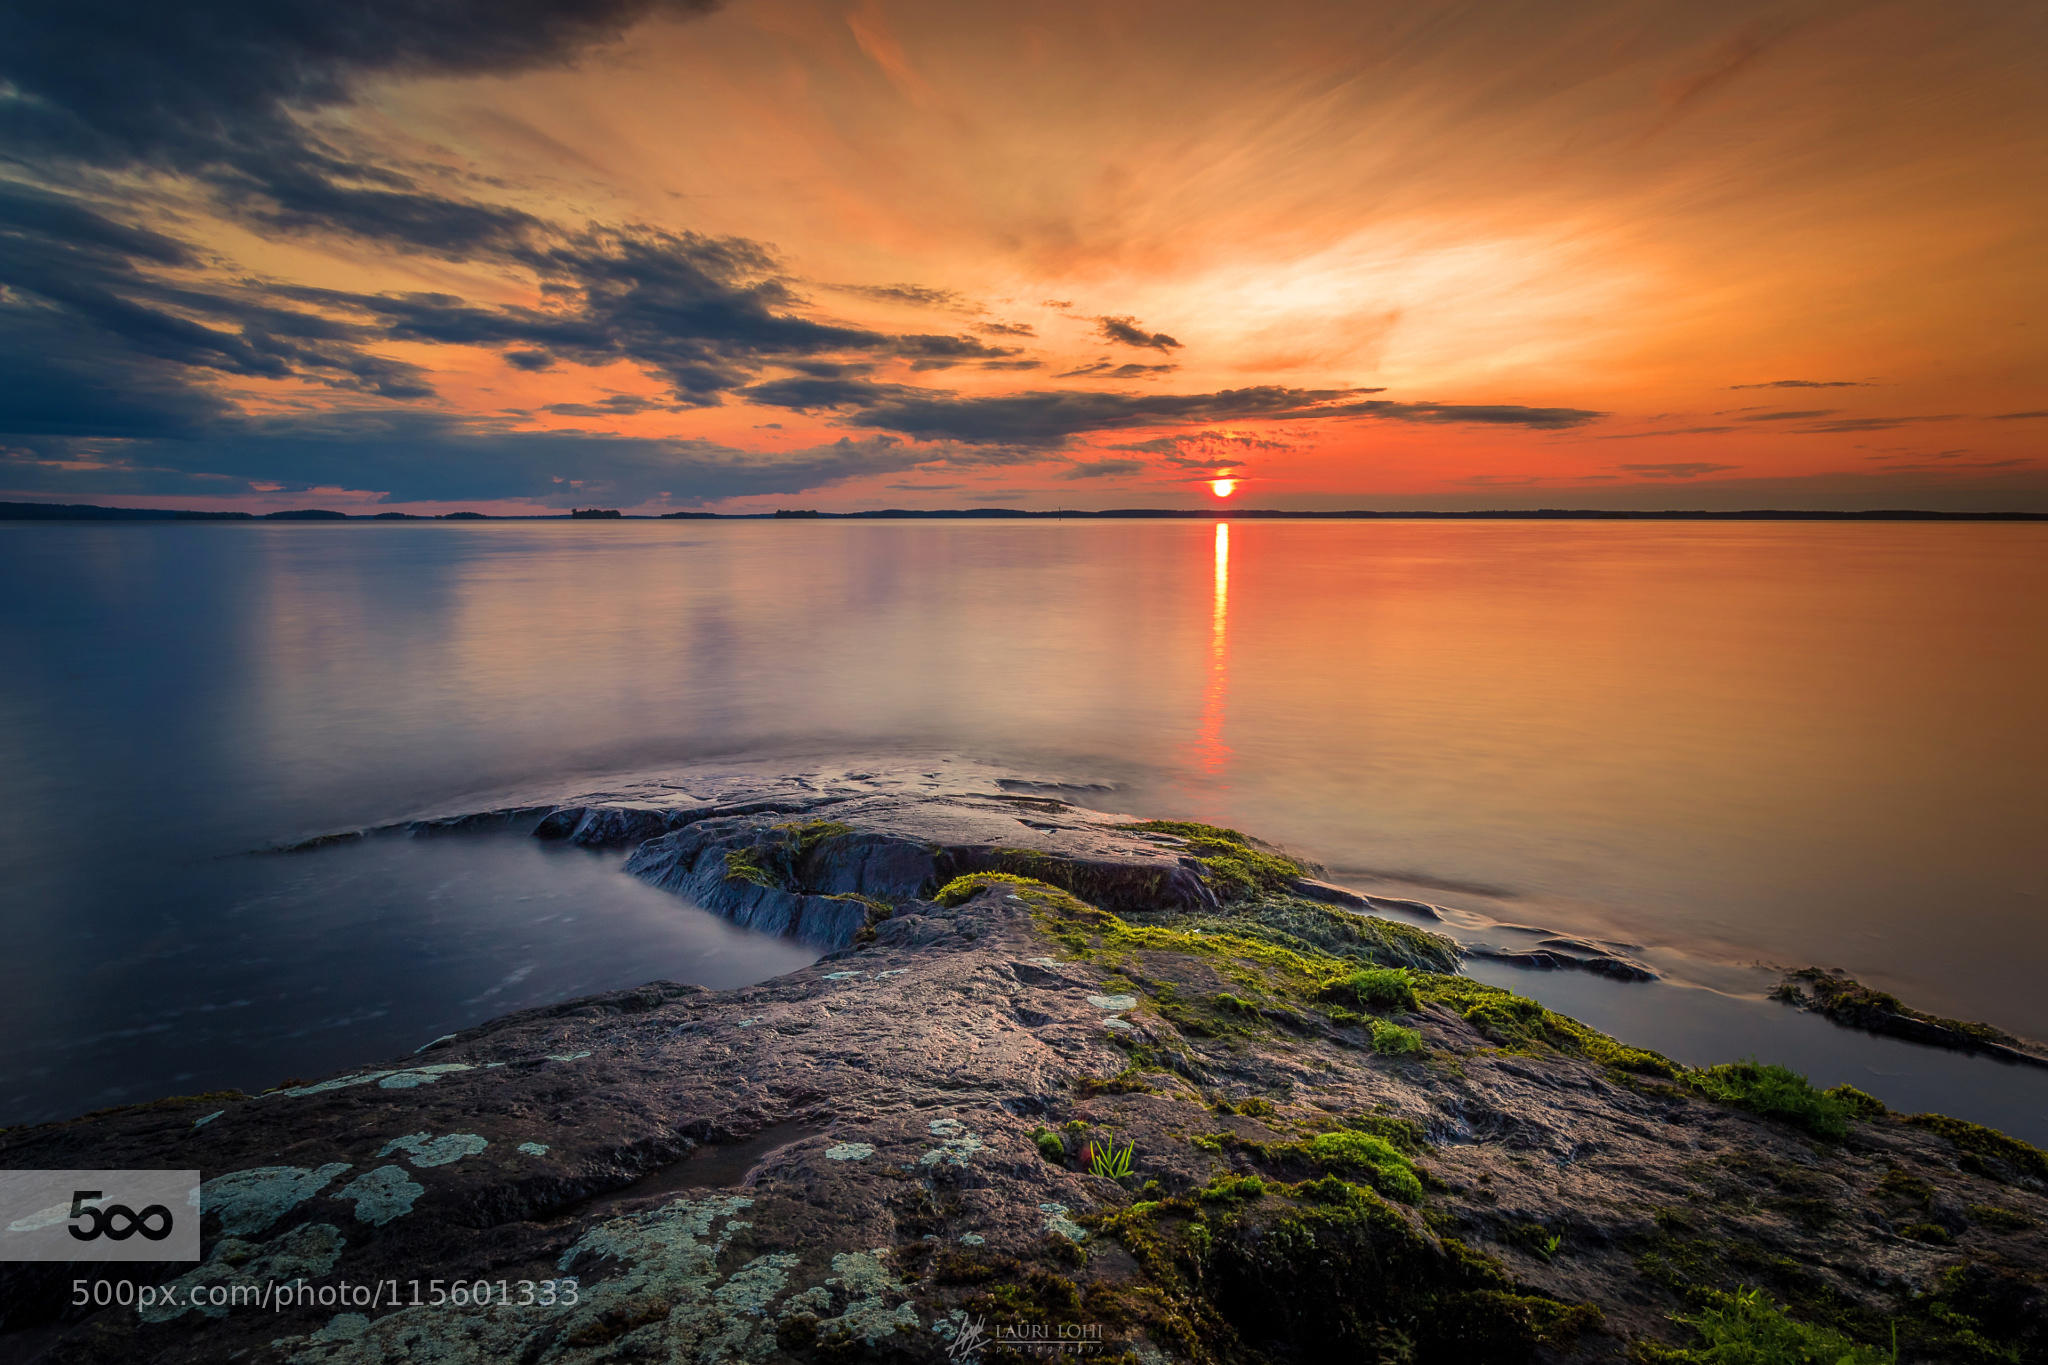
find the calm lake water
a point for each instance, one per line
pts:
(1729, 744)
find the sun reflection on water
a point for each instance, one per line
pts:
(1210, 750)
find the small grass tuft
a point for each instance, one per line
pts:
(1776, 1092)
(1748, 1328)
(1374, 988)
(1394, 1040)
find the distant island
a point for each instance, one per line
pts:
(78, 511)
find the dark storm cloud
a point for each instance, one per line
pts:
(1875, 423)
(213, 92)
(1791, 416)
(938, 352)
(1682, 470)
(704, 314)
(1127, 331)
(2020, 416)
(209, 86)
(1806, 384)
(416, 456)
(1007, 329)
(916, 295)
(1207, 450)
(1102, 469)
(617, 405)
(87, 314)
(1668, 431)
(1049, 418)
(1105, 369)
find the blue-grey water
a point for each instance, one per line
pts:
(1728, 744)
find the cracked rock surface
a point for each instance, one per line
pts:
(1339, 1149)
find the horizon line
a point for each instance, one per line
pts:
(55, 511)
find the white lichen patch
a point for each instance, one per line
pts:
(956, 1144)
(1115, 1024)
(1117, 1003)
(421, 1075)
(306, 1252)
(842, 976)
(382, 1194)
(754, 1285)
(567, 1056)
(533, 1148)
(342, 1327)
(247, 1202)
(893, 971)
(1057, 1223)
(866, 1285)
(752, 1020)
(444, 1038)
(648, 1288)
(423, 1149)
(849, 1151)
(973, 1239)
(202, 1122)
(661, 1270)
(406, 1079)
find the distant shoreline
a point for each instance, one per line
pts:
(51, 511)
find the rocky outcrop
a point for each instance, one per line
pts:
(1848, 1002)
(1233, 1126)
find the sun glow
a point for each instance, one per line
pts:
(1223, 488)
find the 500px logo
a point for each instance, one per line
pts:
(118, 1221)
(99, 1215)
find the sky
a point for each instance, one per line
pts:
(521, 255)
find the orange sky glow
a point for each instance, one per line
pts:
(922, 255)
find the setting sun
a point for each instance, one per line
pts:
(1223, 488)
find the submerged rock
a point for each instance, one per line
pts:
(1062, 1079)
(1852, 1004)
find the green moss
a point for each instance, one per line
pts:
(2002, 1219)
(1234, 869)
(1315, 929)
(1050, 1147)
(1512, 1021)
(1856, 1102)
(776, 859)
(1996, 1155)
(744, 865)
(1234, 1004)
(1393, 1040)
(1130, 1081)
(1404, 1135)
(1340, 1275)
(1898, 1184)
(1934, 1234)
(1747, 1328)
(1520, 1024)
(1776, 1092)
(1975, 1313)
(1361, 1153)
(801, 836)
(1231, 1188)
(1375, 988)
(964, 888)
